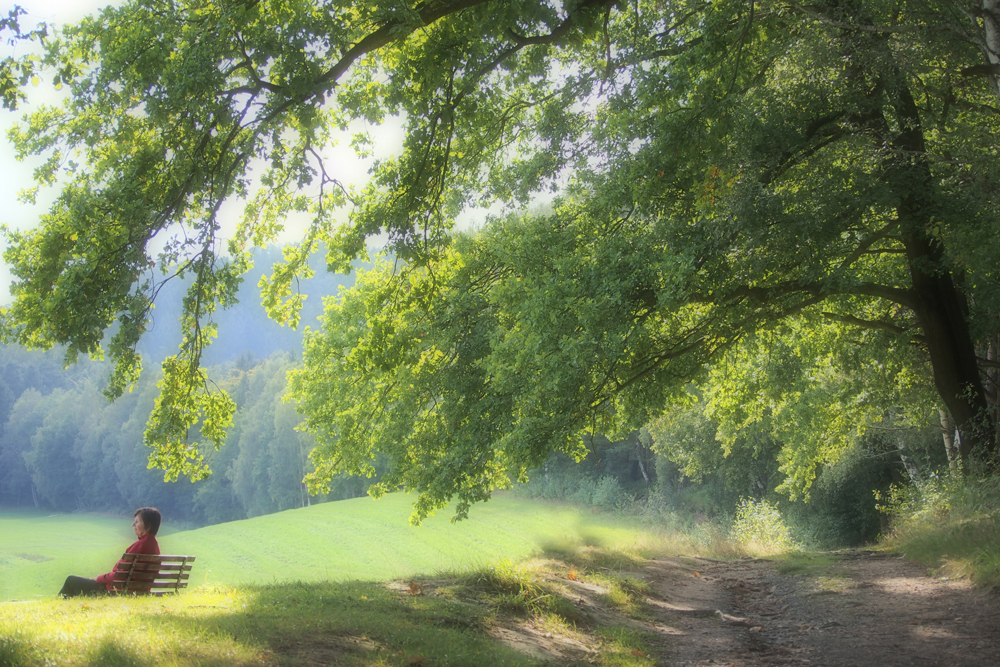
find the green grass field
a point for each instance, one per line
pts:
(356, 539)
(304, 587)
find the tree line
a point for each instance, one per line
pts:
(64, 447)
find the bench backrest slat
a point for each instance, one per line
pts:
(152, 575)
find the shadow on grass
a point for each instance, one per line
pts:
(353, 623)
(109, 653)
(15, 651)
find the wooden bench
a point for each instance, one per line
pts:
(145, 574)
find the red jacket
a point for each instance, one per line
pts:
(145, 545)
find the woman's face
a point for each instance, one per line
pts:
(138, 526)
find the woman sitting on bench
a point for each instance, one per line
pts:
(145, 525)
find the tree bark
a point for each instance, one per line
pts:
(949, 342)
(939, 305)
(638, 456)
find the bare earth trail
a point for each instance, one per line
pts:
(857, 609)
(868, 608)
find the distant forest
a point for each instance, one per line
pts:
(64, 447)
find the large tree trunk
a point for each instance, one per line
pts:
(939, 305)
(942, 317)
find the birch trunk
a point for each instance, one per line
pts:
(948, 435)
(991, 35)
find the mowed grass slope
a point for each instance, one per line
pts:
(36, 548)
(356, 539)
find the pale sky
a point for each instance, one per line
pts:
(17, 175)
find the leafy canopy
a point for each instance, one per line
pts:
(723, 166)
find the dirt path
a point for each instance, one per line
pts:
(862, 608)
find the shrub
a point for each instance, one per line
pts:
(760, 529)
(609, 495)
(583, 493)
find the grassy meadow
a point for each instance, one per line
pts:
(356, 539)
(307, 587)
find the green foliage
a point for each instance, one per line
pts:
(803, 562)
(610, 477)
(516, 589)
(760, 528)
(65, 449)
(15, 74)
(790, 206)
(628, 647)
(609, 495)
(626, 594)
(356, 623)
(842, 510)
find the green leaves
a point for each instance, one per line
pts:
(15, 73)
(724, 167)
(184, 401)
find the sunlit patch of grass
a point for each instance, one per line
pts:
(833, 583)
(350, 623)
(341, 541)
(624, 647)
(804, 562)
(125, 632)
(625, 594)
(354, 623)
(15, 650)
(518, 588)
(556, 625)
(607, 559)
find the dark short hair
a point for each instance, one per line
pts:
(150, 518)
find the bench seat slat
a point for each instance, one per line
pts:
(146, 580)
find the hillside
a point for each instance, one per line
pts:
(338, 541)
